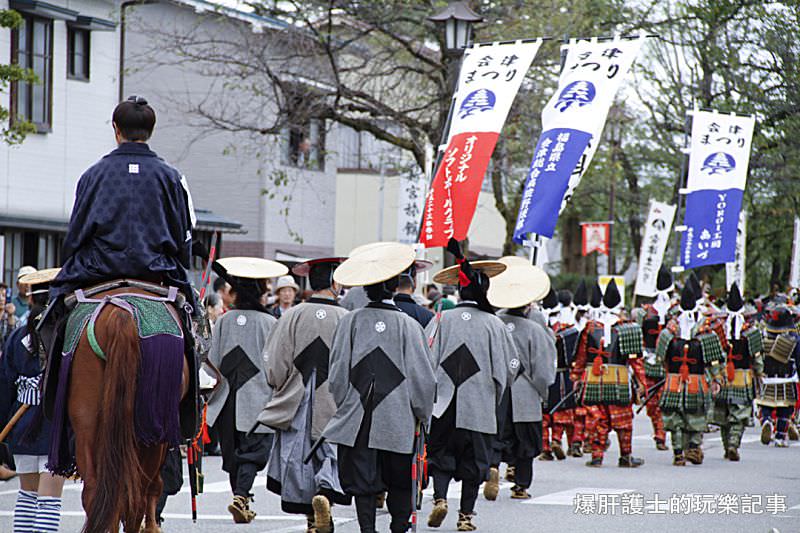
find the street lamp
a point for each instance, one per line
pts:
(458, 19)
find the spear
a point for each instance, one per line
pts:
(192, 478)
(417, 473)
(13, 421)
(206, 279)
(573, 392)
(653, 391)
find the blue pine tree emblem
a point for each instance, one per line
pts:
(579, 92)
(719, 162)
(477, 101)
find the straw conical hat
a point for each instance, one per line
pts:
(253, 267)
(449, 275)
(421, 265)
(374, 263)
(40, 276)
(521, 284)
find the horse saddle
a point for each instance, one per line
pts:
(178, 301)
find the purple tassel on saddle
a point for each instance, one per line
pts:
(60, 460)
(158, 396)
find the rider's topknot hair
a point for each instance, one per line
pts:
(135, 119)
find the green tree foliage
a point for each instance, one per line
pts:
(13, 131)
(733, 56)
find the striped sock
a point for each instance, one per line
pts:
(48, 514)
(25, 511)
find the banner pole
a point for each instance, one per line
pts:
(682, 180)
(535, 241)
(794, 271)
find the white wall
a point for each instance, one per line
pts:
(222, 168)
(38, 177)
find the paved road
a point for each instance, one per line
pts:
(711, 492)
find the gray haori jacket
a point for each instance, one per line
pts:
(474, 358)
(380, 357)
(536, 371)
(297, 351)
(237, 347)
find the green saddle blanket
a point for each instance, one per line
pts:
(151, 317)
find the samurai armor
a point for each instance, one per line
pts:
(688, 396)
(629, 337)
(611, 387)
(740, 390)
(781, 350)
(778, 394)
(653, 369)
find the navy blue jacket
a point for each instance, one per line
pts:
(31, 434)
(410, 307)
(132, 218)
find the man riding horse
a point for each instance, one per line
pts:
(127, 252)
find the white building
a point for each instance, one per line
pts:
(229, 171)
(354, 194)
(73, 47)
(90, 54)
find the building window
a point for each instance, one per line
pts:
(32, 47)
(306, 145)
(78, 53)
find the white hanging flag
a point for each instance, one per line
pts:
(487, 85)
(410, 198)
(734, 272)
(654, 243)
(794, 278)
(572, 122)
(620, 57)
(715, 186)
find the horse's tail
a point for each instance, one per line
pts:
(118, 468)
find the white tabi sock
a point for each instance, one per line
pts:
(48, 514)
(25, 511)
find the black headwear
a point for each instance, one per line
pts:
(735, 301)
(473, 284)
(565, 297)
(551, 300)
(664, 279)
(779, 317)
(694, 284)
(688, 298)
(597, 296)
(581, 294)
(611, 298)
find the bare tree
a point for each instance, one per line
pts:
(371, 66)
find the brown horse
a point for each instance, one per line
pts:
(122, 480)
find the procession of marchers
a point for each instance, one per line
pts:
(400, 375)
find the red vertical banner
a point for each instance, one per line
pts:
(595, 237)
(488, 82)
(453, 196)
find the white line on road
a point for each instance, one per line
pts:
(181, 516)
(567, 497)
(292, 529)
(745, 440)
